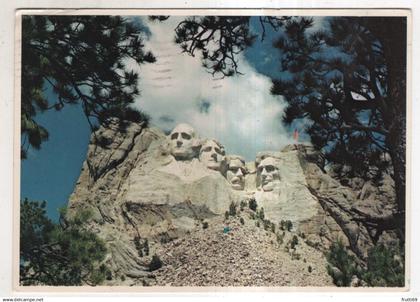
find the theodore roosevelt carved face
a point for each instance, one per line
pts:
(268, 173)
(236, 172)
(183, 142)
(212, 154)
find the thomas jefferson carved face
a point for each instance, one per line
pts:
(268, 173)
(236, 172)
(212, 154)
(183, 142)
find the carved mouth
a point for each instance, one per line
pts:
(266, 181)
(237, 185)
(213, 162)
(236, 180)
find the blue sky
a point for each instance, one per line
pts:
(50, 173)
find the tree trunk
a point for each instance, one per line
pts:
(397, 144)
(396, 56)
(392, 33)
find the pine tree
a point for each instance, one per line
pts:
(385, 267)
(349, 82)
(341, 266)
(220, 39)
(155, 263)
(232, 209)
(252, 203)
(52, 254)
(83, 59)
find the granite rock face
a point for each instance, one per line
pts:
(143, 198)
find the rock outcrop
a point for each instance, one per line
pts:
(141, 193)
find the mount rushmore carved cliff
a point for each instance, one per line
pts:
(144, 186)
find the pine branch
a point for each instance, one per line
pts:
(358, 127)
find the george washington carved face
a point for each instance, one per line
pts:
(212, 155)
(236, 172)
(183, 142)
(268, 173)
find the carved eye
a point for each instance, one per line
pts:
(174, 135)
(234, 169)
(219, 151)
(207, 149)
(269, 168)
(185, 135)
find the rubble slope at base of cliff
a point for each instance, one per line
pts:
(246, 255)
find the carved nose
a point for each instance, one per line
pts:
(214, 155)
(178, 143)
(264, 172)
(239, 172)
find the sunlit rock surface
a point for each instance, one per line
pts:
(143, 186)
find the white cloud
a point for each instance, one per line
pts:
(238, 111)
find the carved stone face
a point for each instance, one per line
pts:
(182, 142)
(268, 173)
(236, 173)
(212, 154)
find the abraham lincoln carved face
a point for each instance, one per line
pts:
(268, 173)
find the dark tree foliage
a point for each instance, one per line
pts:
(158, 18)
(233, 209)
(337, 78)
(155, 263)
(349, 82)
(220, 39)
(252, 203)
(84, 59)
(341, 266)
(56, 255)
(384, 266)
